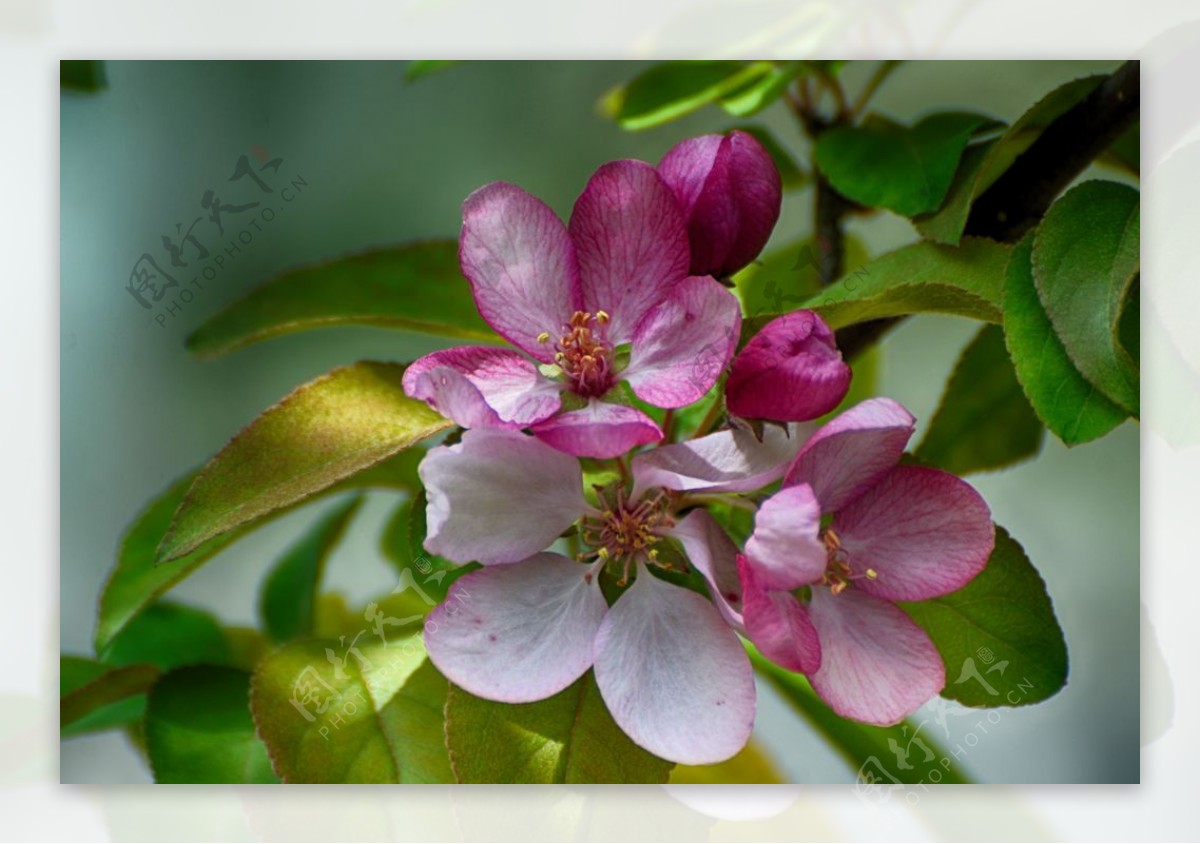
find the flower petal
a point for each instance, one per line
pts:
(601, 430)
(713, 554)
(478, 386)
(682, 345)
(631, 242)
(791, 370)
(924, 532)
(877, 665)
(499, 496)
(778, 624)
(785, 549)
(674, 675)
(852, 451)
(521, 264)
(728, 461)
(520, 632)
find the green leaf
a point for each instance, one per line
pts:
(753, 98)
(1073, 409)
(169, 635)
(421, 68)
(786, 277)
(82, 76)
(791, 176)
(435, 573)
(887, 165)
(984, 420)
(567, 738)
(380, 721)
(199, 729)
(1085, 257)
(414, 287)
(289, 595)
(98, 697)
(982, 164)
(323, 432)
(967, 280)
(751, 766)
(137, 580)
(997, 635)
(669, 90)
(869, 750)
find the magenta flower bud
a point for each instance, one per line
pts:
(791, 371)
(729, 190)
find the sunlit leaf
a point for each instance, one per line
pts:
(669, 90)
(753, 98)
(421, 68)
(998, 635)
(321, 433)
(414, 287)
(751, 766)
(567, 738)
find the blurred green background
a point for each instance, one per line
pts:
(387, 161)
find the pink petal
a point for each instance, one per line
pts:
(778, 624)
(673, 674)
(790, 370)
(710, 550)
(852, 451)
(521, 264)
(730, 192)
(682, 345)
(925, 533)
(727, 461)
(877, 665)
(631, 242)
(520, 632)
(499, 496)
(785, 549)
(601, 429)
(477, 386)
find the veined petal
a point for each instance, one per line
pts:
(713, 554)
(682, 344)
(791, 370)
(785, 549)
(521, 264)
(520, 632)
(674, 675)
(601, 429)
(631, 243)
(727, 461)
(499, 496)
(852, 451)
(478, 386)
(877, 665)
(923, 531)
(778, 624)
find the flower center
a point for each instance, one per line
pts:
(838, 573)
(583, 356)
(626, 533)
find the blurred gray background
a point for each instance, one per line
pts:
(387, 161)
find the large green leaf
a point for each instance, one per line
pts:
(567, 738)
(96, 696)
(997, 635)
(169, 635)
(967, 280)
(1075, 410)
(982, 164)
(415, 287)
(321, 433)
(984, 420)
(199, 729)
(670, 90)
(872, 752)
(377, 721)
(137, 580)
(1085, 257)
(289, 594)
(884, 164)
(786, 277)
